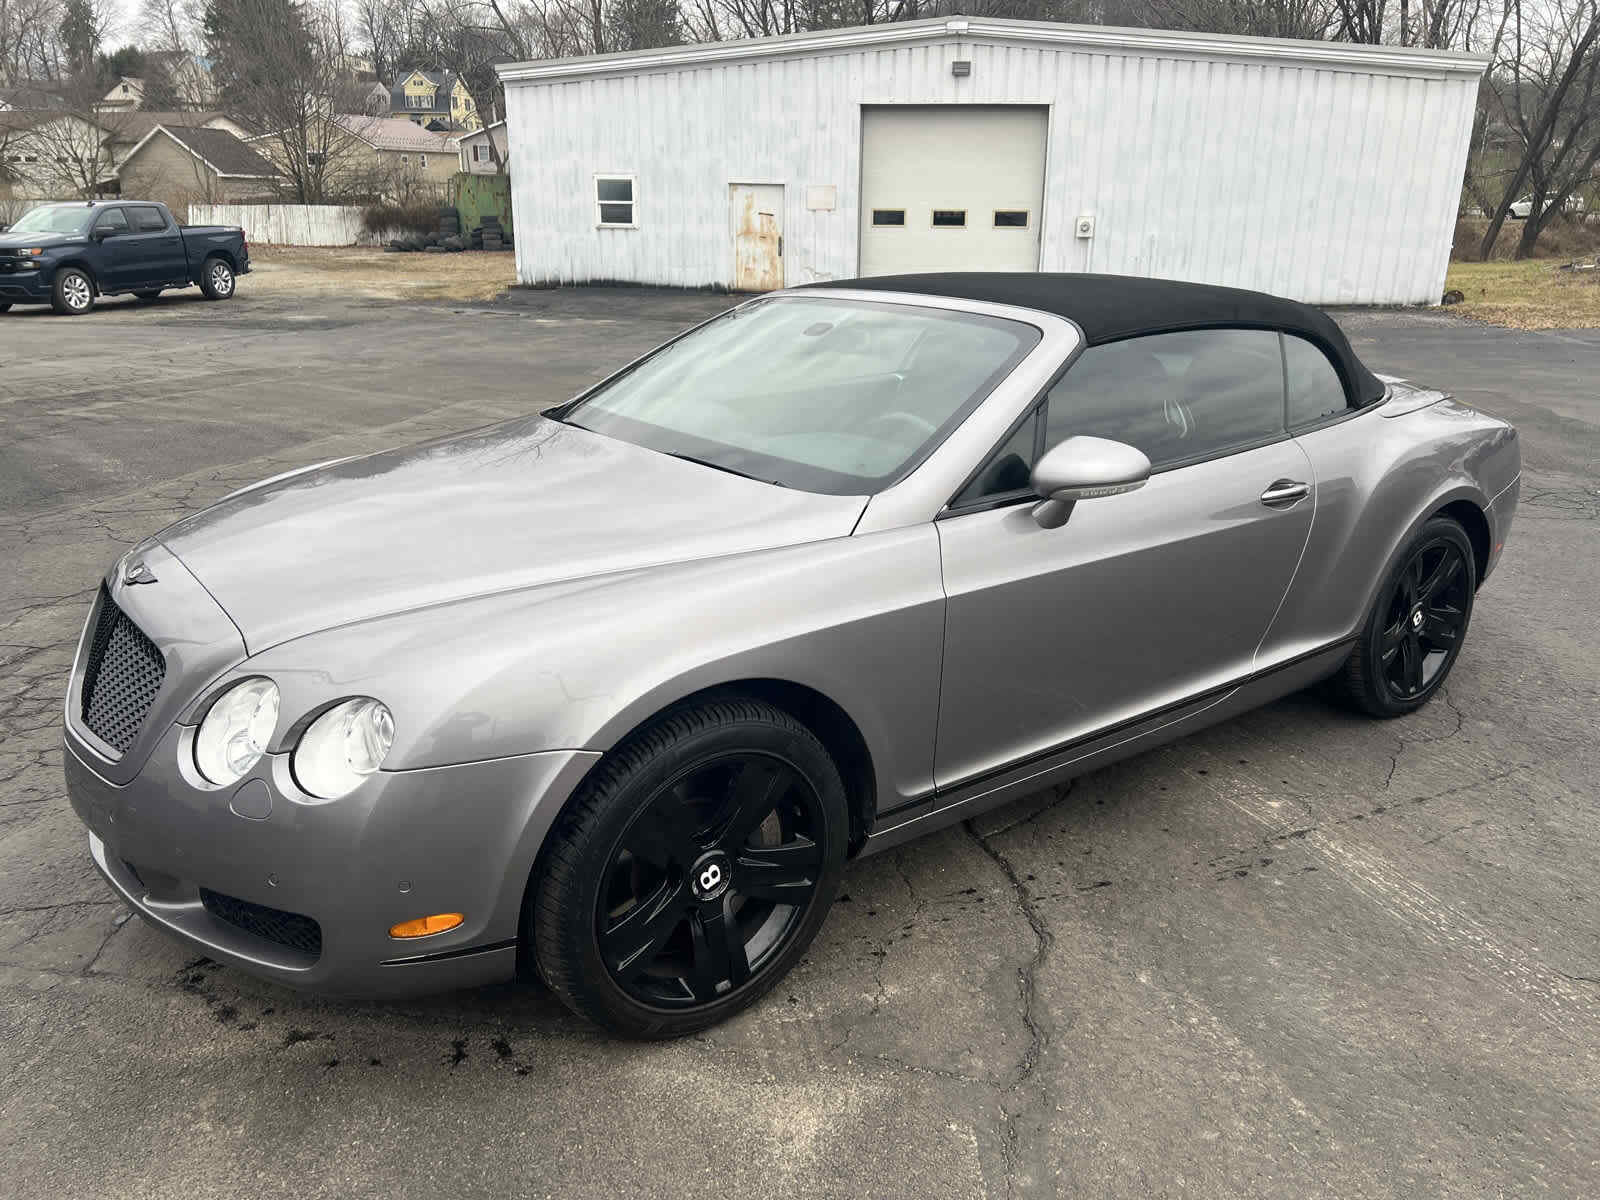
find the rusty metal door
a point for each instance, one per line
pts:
(756, 217)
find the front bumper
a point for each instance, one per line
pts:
(24, 287)
(403, 845)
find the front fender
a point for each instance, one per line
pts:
(577, 665)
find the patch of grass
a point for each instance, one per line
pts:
(1533, 294)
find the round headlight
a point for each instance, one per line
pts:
(343, 746)
(237, 730)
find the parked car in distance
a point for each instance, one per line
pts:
(1520, 210)
(68, 255)
(613, 691)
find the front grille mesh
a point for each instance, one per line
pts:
(121, 677)
(273, 924)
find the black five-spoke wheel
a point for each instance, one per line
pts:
(1417, 626)
(709, 880)
(692, 869)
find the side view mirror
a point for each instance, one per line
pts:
(1084, 468)
(99, 234)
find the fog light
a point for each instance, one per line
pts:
(423, 926)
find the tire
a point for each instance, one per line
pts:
(1418, 623)
(72, 295)
(657, 858)
(147, 297)
(216, 278)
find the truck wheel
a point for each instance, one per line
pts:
(73, 293)
(216, 278)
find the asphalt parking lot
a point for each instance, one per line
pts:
(1300, 954)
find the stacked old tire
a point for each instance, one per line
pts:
(489, 235)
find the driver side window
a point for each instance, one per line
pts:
(111, 221)
(1179, 397)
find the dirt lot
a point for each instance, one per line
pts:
(378, 275)
(1300, 954)
(1523, 295)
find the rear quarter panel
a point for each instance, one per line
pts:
(1378, 479)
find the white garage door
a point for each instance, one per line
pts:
(951, 188)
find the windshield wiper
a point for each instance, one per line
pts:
(719, 467)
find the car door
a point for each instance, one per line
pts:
(113, 254)
(158, 247)
(1140, 601)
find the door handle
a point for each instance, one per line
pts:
(1285, 493)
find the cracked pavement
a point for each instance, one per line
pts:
(1299, 954)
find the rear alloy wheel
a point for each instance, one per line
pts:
(73, 292)
(692, 871)
(1417, 625)
(216, 279)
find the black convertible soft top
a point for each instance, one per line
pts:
(1109, 308)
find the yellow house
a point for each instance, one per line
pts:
(424, 97)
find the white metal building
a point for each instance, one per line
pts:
(1323, 171)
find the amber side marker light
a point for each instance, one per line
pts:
(424, 926)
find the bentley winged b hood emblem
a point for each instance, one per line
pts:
(136, 570)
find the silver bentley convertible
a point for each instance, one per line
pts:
(612, 692)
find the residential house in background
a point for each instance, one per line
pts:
(183, 165)
(125, 95)
(32, 96)
(361, 158)
(437, 100)
(406, 156)
(52, 155)
(128, 129)
(476, 158)
(368, 97)
(190, 75)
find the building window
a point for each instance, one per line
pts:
(614, 200)
(422, 159)
(405, 160)
(949, 218)
(478, 154)
(888, 216)
(1010, 218)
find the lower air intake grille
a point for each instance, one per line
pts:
(272, 924)
(122, 674)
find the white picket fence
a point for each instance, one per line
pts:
(289, 224)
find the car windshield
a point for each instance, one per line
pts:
(57, 218)
(825, 395)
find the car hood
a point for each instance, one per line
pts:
(512, 506)
(19, 241)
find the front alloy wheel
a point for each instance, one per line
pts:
(692, 871)
(72, 294)
(709, 880)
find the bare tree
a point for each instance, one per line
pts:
(29, 45)
(1543, 96)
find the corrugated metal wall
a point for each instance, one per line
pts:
(1326, 184)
